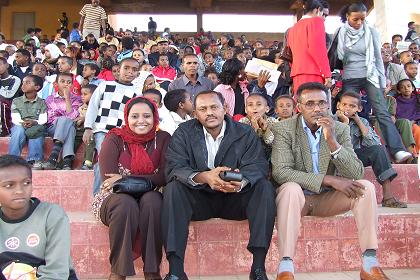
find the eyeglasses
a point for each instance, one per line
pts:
(325, 15)
(310, 105)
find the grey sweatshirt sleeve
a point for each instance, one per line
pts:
(57, 250)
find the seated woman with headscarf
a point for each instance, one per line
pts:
(52, 53)
(135, 149)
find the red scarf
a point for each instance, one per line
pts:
(140, 159)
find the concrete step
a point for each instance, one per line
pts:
(77, 163)
(400, 274)
(73, 189)
(218, 247)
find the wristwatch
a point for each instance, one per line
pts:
(334, 154)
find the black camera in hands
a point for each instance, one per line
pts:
(231, 176)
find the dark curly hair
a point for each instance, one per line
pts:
(230, 71)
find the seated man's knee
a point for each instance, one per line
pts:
(369, 188)
(290, 190)
(17, 130)
(173, 188)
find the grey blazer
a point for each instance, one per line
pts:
(292, 162)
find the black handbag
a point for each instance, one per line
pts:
(286, 52)
(132, 185)
(335, 63)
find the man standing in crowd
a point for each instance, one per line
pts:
(412, 35)
(152, 26)
(93, 17)
(320, 175)
(199, 151)
(191, 81)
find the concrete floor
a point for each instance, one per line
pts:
(393, 274)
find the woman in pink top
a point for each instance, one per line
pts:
(233, 86)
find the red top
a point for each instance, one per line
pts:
(164, 74)
(308, 44)
(106, 75)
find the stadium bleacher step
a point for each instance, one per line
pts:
(218, 247)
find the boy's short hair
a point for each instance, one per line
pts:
(24, 52)
(40, 63)
(127, 59)
(93, 66)
(206, 53)
(189, 55)
(68, 59)
(210, 70)
(127, 43)
(107, 63)
(408, 64)
(37, 80)
(59, 74)
(4, 54)
(90, 87)
(4, 60)
(353, 94)
(173, 98)
(395, 36)
(285, 96)
(12, 160)
(153, 91)
(403, 52)
(60, 44)
(113, 46)
(259, 95)
(163, 54)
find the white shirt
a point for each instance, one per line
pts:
(213, 145)
(212, 148)
(171, 122)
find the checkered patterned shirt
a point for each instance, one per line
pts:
(106, 106)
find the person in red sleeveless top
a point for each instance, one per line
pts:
(306, 40)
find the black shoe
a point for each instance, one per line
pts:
(67, 163)
(173, 277)
(258, 274)
(49, 165)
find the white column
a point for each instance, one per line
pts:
(392, 16)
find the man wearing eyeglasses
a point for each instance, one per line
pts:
(318, 174)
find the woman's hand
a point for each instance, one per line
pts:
(108, 183)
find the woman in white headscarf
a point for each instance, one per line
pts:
(146, 81)
(52, 53)
(359, 48)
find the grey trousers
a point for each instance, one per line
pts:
(63, 130)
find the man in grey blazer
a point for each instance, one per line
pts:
(319, 174)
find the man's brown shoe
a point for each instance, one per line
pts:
(376, 274)
(285, 276)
